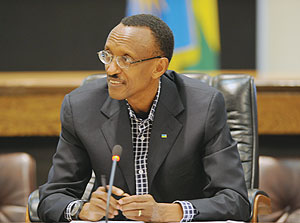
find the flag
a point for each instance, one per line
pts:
(195, 27)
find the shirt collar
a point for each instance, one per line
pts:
(153, 107)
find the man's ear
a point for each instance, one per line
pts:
(160, 67)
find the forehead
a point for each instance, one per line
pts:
(130, 38)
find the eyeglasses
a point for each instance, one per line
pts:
(122, 61)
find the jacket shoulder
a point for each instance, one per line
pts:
(188, 84)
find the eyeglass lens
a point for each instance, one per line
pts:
(107, 58)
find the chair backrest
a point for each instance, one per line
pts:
(17, 181)
(240, 97)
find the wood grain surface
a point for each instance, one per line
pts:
(30, 102)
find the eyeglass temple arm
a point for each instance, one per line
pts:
(138, 61)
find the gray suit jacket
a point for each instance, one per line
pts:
(198, 161)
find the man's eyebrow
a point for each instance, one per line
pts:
(125, 51)
(130, 53)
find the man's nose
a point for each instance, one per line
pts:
(112, 68)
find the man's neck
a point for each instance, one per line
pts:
(142, 115)
(143, 104)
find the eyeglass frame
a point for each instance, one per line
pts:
(132, 62)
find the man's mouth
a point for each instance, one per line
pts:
(114, 82)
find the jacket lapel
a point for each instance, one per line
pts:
(117, 131)
(165, 127)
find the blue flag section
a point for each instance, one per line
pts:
(195, 27)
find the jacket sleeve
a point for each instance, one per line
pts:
(69, 174)
(226, 192)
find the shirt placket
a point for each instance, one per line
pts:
(141, 159)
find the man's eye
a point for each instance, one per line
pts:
(127, 59)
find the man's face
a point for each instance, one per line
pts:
(135, 82)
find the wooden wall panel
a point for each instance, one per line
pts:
(278, 113)
(30, 115)
(30, 103)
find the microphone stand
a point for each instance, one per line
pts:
(111, 181)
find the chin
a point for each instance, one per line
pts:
(116, 96)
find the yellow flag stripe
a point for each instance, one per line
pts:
(206, 13)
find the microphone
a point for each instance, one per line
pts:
(116, 154)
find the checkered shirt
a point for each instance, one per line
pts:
(141, 131)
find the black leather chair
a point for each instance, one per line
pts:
(240, 97)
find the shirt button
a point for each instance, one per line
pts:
(142, 138)
(141, 171)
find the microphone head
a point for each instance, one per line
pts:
(116, 152)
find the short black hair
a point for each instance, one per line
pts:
(161, 31)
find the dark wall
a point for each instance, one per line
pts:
(66, 34)
(56, 34)
(238, 33)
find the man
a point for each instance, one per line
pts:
(179, 162)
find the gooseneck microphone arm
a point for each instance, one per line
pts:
(116, 154)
